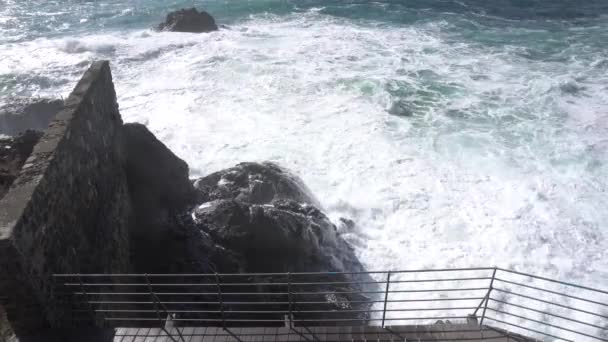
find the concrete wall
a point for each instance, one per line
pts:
(69, 209)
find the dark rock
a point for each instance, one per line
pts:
(346, 225)
(256, 183)
(400, 108)
(13, 154)
(21, 114)
(284, 236)
(159, 188)
(265, 219)
(189, 20)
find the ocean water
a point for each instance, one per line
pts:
(503, 161)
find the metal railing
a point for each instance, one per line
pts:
(538, 307)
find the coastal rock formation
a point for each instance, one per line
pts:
(14, 152)
(269, 216)
(158, 179)
(94, 195)
(189, 20)
(256, 183)
(159, 188)
(21, 114)
(265, 219)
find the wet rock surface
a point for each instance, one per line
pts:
(262, 218)
(400, 108)
(189, 20)
(159, 188)
(21, 114)
(14, 151)
(255, 183)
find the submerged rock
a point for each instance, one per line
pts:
(14, 152)
(400, 108)
(189, 20)
(21, 114)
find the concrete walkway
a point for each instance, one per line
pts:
(435, 332)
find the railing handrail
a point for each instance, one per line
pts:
(297, 299)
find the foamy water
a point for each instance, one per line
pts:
(502, 163)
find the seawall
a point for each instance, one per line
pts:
(68, 211)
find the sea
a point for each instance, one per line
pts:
(497, 154)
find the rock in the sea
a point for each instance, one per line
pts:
(14, 151)
(256, 183)
(400, 108)
(285, 236)
(266, 220)
(21, 114)
(159, 187)
(189, 20)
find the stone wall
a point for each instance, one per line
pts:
(69, 210)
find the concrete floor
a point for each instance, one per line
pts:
(435, 332)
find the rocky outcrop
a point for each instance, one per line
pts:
(13, 154)
(189, 20)
(159, 188)
(256, 183)
(21, 114)
(269, 217)
(94, 195)
(158, 179)
(265, 219)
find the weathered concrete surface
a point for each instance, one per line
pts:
(68, 210)
(439, 332)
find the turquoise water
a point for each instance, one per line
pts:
(503, 161)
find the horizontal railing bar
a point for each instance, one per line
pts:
(437, 280)
(279, 311)
(544, 323)
(285, 303)
(222, 336)
(549, 291)
(280, 283)
(64, 275)
(549, 302)
(390, 291)
(273, 293)
(228, 320)
(279, 333)
(325, 333)
(529, 329)
(253, 334)
(548, 313)
(553, 280)
(223, 284)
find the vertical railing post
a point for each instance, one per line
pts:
(388, 282)
(221, 300)
(87, 300)
(156, 305)
(483, 315)
(289, 298)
